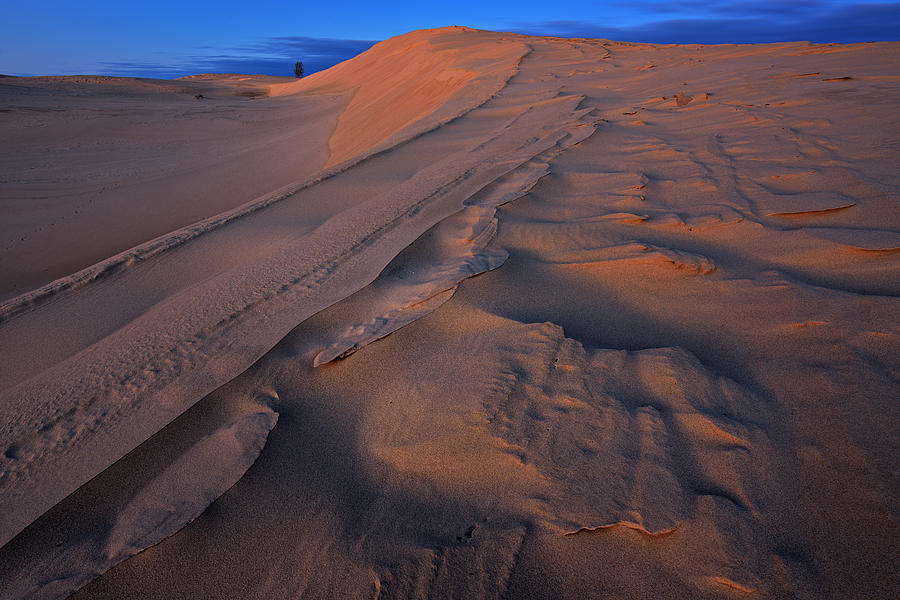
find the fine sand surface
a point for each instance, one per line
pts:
(472, 315)
(92, 166)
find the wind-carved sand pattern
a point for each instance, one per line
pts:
(653, 426)
(420, 290)
(404, 294)
(549, 318)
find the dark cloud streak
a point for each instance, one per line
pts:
(274, 56)
(761, 22)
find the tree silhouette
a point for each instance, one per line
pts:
(298, 69)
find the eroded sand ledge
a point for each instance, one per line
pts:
(676, 376)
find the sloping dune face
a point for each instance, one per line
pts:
(555, 319)
(410, 84)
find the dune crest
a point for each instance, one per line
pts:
(410, 84)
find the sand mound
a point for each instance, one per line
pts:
(410, 84)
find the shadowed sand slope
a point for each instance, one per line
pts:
(548, 319)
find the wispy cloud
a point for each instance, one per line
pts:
(273, 56)
(739, 22)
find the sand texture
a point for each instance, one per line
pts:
(471, 315)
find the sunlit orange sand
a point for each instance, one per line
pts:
(472, 315)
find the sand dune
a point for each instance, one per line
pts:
(471, 315)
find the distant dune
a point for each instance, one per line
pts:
(471, 315)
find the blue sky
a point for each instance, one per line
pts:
(167, 38)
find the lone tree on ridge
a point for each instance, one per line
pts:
(298, 69)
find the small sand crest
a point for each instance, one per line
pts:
(416, 290)
(190, 484)
(812, 213)
(167, 502)
(626, 524)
